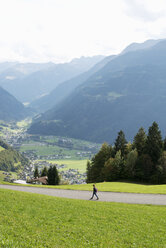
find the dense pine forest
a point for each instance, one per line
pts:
(144, 160)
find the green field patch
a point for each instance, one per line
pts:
(48, 150)
(71, 164)
(29, 220)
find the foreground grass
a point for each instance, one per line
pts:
(30, 220)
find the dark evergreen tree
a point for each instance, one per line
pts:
(36, 172)
(154, 144)
(120, 143)
(144, 168)
(140, 141)
(164, 144)
(53, 177)
(44, 172)
(88, 172)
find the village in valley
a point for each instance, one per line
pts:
(43, 151)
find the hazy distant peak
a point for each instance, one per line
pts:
(141, 46)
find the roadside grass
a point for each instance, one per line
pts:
(109, 187)
(31, 220)
(120, 187)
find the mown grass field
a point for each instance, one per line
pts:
(30, 220)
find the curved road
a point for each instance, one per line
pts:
(133, 198)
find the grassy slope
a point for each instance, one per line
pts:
(28, 220)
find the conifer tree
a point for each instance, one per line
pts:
(53, 177)
(140, 141)
(89, 172)
(44, 172)
(36, 172)
(120, 143)
(154, 144)
(164, 144)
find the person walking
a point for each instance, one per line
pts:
(94, 193)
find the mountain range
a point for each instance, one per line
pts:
(128, 92)
(29, 81)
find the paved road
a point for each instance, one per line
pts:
(154, 199)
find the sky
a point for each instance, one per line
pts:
(60, 30)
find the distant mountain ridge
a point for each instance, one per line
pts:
(65, 89)
(29, 81)
(127, 93)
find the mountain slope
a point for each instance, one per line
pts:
(10, 108)
(65, 89)
(129, 92)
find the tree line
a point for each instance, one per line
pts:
(144, 160)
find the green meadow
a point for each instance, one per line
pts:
(31, 220)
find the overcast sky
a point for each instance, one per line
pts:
(59, 30)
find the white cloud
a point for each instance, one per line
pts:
(58, 30)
